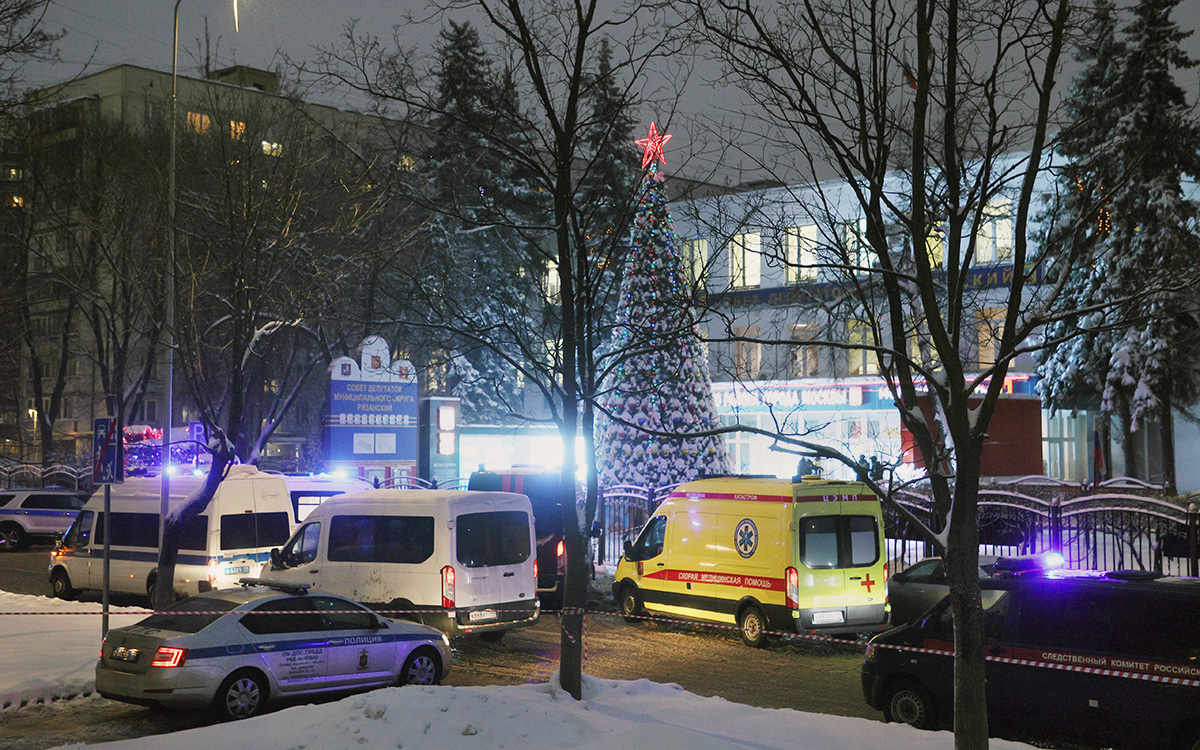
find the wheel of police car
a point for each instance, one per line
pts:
(420, 668)
(60, 582)
(243, 694)
(909, 703)
(12, 537)
(752, 625)
(631, 603)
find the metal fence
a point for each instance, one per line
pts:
(35, 475)
(1120, 524)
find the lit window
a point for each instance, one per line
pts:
(802, 253)
(198, 122)
(858, 338)
(854, 241)
(237, 130)
(695, 258)
(406, 163)
(994, 241)
(935, 246)
(552, 283)
(270, 148)
(804, 358)
(991, 330)
(747, 353)
(14, 201)
(13, 173)
(745, 251)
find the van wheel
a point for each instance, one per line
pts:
(752, 625)
(150, 590)
(243, 694)
(909, 703)
(630, 603)
(60, 583)
(421, 668)
(12, 537)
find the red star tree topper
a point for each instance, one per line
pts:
(652, 146)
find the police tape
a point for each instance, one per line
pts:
(1150, 675)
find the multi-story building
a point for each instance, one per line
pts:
(89, 315)
(775, 302)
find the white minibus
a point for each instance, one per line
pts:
(250, 514)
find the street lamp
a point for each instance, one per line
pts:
(169, 306)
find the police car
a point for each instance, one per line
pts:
(26, 513)
(235, 650)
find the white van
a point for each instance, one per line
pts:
(250, 514)
(310, 490)
(463, 562)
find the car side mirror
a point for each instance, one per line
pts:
(628, 550)
(379, 623)
(276, 562)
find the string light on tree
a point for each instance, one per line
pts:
(662, 386)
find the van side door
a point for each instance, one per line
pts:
(299, 561)
(648, 553)
(76, 553)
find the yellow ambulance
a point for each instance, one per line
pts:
(762, 554)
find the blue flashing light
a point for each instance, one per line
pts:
(172, 470)
(1053, 560)
(340, 474)
(197, 472)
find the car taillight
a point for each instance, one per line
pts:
(885, 580)
(561, 553)
(102, 640)
(793, 587)
(448, 587)
(169, 657)
(212, 570)
(535, 570)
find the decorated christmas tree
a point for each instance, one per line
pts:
(660, 392)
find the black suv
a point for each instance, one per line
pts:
(1103, 657)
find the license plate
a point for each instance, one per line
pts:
(479, 615)
(827, 618)
(237, 570)
(120, 653)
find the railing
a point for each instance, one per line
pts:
(1091, 527)
(35, 475)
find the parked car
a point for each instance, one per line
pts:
(36, 513)
(1109, 658)
(915, 589)
(236, 650)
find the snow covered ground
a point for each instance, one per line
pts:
(53, 656)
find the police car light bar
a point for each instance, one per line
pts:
(1029, 563)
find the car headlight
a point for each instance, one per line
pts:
(446, 640)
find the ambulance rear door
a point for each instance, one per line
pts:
(839, 558)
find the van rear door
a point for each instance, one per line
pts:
(493, 551)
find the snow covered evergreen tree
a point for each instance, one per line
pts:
(662, 384)
(1135, 139)
(478, 258)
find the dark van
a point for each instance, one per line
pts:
(1111, 658)
(541, 487)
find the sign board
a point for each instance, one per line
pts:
(198, 432)
(108, 465)
(372, 408)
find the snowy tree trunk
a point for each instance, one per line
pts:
(1166, 424)
(962, 565)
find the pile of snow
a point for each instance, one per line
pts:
(612, 714)
(45, 656)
